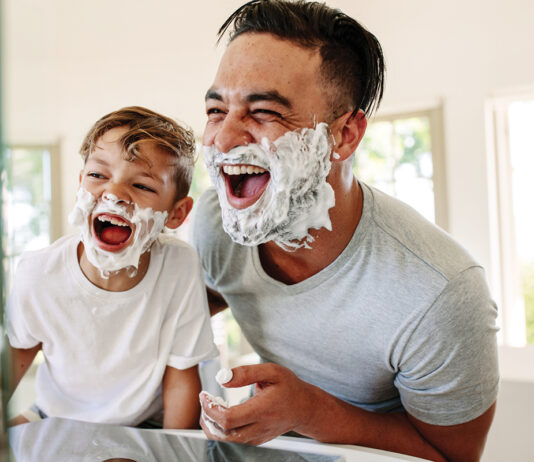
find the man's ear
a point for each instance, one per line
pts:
(348, 131)
(179, 212)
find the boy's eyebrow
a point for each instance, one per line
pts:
(271, 95)
(151, 176)
(98, 160)
(142, 173)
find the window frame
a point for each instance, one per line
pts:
(514, 353)
(434, 113)
(55, 182)
(55, 190)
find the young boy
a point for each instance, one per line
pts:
(120, 312)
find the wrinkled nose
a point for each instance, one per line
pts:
(230, 134)
(117, 194)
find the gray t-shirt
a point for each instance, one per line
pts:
(401, 319)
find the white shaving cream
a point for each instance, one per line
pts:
(148, 225)
(297, 197)
(215, 400)
(224, 376)
(213, 427)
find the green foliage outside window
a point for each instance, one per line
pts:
(395, 156)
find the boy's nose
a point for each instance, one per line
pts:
(117, 193)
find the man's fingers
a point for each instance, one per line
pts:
(211, 428)
(256, 373)
(229, 418)
(248, 434)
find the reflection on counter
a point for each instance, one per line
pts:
(62, 440)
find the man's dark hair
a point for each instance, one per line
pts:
(352, 60)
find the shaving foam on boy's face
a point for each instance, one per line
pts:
(275, 191)
(115, 233)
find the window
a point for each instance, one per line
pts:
(402, 156)
(29, 211)
(510, 121)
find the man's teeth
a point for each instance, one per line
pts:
(242, 169)
(113, 221)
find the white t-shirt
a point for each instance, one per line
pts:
(106, 352)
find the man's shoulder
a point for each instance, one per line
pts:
(206, 228)
(207, 205)
(409, 232)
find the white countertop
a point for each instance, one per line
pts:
(349, 452)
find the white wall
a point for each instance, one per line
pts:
(459, 52)
(68, 63)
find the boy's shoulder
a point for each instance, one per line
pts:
(171, 245)
(51, 256)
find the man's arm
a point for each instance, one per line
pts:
(21, 360)
(282, 402)
(180, 391)
(216, 301)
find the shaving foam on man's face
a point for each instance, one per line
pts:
(275, 191)
(115, 233)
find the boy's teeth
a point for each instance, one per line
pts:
(113, 221)
(242, 169)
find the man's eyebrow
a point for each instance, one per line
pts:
(212, 94)
(272, 95)
(269, 96)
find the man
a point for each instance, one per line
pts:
(374, 327)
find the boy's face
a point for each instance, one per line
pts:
(107, 174)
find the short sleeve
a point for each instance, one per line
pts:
(448, 371)
(193, 339)
(205, 231)
(19, 312)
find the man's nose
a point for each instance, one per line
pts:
(231, 133)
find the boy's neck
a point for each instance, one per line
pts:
(117, 281)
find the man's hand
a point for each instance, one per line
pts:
(281, 402)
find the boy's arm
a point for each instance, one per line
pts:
(216, 301)
(21, 360)
(181, 407)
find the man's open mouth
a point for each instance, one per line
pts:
(111, 231)
(244, 184)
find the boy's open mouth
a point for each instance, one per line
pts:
(244, 184)
(111, 231)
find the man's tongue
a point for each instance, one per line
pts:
(252, 184)
(115, 235)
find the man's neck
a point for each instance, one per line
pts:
(294, 267)
(118, 281)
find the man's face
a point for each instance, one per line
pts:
(263, 88)
(266, 88)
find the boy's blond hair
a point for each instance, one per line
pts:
(148, 126)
